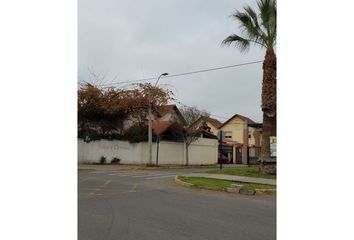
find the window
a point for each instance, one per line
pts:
(228, 134)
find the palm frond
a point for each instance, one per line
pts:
(259, 29)
(246, 25)
(267, 10)
(240, 42)
(253, 15)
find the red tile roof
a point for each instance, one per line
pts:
(164, 109)
(160, 127)
(216, 123)
(212, 121)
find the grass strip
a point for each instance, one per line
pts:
(243, 171)
(219, 184)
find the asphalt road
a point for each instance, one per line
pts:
(147, 205)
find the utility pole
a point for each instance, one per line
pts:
(150, 125)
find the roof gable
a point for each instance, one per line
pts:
(216, 123)
(165, 109)
(237, 116)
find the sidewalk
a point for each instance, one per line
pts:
(234, 178)
(110, 167)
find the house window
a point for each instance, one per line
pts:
(228, 134)
(249, 135)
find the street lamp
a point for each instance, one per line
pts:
(150, 127)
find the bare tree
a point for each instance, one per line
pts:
(189, 133)
(192, 114)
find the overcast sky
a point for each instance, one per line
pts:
(135, 39)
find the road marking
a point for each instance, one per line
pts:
(106, 183)
(124, 175)
(85, 179)
(99, 188)
(161, 176)
(132, 174)
(134, 188)
(148, 175)
(103, 172)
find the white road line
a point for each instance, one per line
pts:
(105, 172)
(166, 176)
(134, 188)
(99, 188)
(126, 175)
(150, 175)
(85, 179)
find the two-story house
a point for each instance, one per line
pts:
(244, 135)
(241, 137)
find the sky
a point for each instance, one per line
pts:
(123, 40)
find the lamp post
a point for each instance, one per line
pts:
(150, 125)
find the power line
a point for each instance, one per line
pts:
(185, 73)
(176, 101)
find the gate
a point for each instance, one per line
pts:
(253, 155)
(239, 155)
(225, 153)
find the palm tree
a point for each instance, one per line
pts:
(261, 29)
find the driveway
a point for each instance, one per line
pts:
(137, 205)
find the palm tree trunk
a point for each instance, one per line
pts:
(269, 107)
(269, 129)
(269, 85)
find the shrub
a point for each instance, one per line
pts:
(115, 160)
(103, 160)
(138, 134)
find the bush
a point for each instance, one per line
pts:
(115, 160)
(138, 134)
(103, 160)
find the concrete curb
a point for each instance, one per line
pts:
(180, 182)
(265, 191)
(247, 192)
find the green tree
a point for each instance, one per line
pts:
(259, 27)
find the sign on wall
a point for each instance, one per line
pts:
(221, 135)
(273, 146)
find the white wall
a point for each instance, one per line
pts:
(203, 151)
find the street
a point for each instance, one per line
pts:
(137, 205)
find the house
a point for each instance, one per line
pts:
(165, 113)
(168, 113)
(212, 123)
(243, 136)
